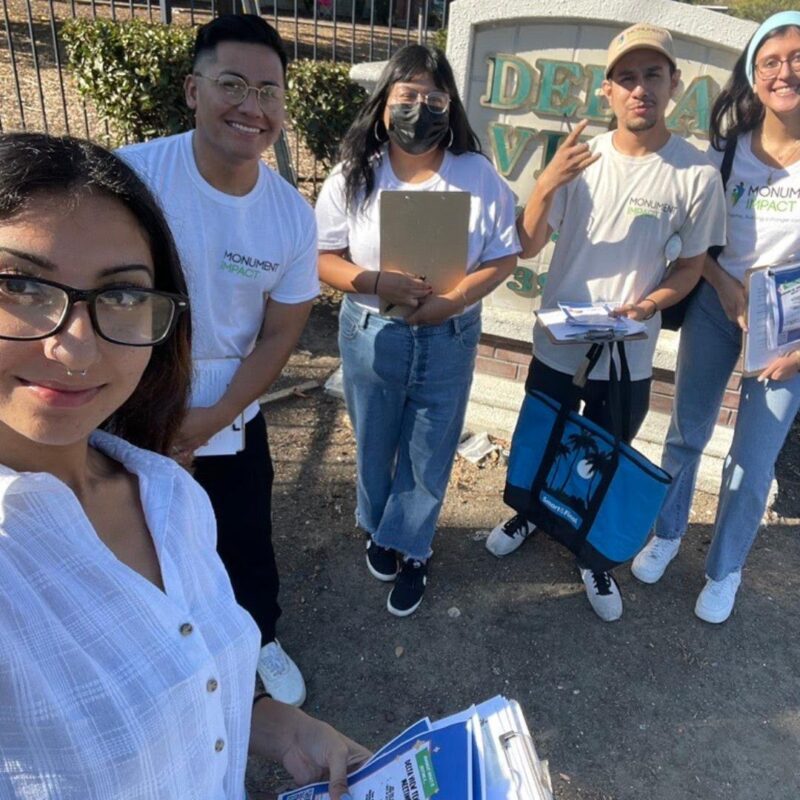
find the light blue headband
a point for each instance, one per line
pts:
(779, 20)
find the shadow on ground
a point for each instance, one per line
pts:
(658, 705)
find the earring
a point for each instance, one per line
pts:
(376, 134)
(452, 139)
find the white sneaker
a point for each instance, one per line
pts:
(603, 594)
(653, 559)
(509, 535)
(715, 602)
(280, 675)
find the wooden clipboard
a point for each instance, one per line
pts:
(425, 234)
(756, 351)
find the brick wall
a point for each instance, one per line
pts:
(509, 359)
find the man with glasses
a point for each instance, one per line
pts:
(247, 241)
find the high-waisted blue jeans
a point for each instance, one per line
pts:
(709, 348)
(406, 389)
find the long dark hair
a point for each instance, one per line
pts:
(360, 146)
(737, 108)
(35, 164)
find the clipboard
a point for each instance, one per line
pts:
(560, 332)
(759, 283)
(426, 234)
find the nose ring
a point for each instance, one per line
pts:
(81, 372)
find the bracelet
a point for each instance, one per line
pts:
(463, 295)
(655, 306)
(377, 278)
(260, 696)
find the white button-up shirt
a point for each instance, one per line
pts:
(111, 689)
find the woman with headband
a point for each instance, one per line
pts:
(758, 114)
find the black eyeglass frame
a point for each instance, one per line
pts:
(180, 303)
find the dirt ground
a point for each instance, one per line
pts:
(658, 705)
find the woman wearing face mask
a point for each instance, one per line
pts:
(757, 113)
(126, 667)
(407, 381)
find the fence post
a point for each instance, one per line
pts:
(165, 11)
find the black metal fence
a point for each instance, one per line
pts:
(37, 91)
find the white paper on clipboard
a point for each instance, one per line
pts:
(770, 334)
(210, 380)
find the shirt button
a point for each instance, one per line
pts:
(186, 628)
(212, 685)
(219, 745)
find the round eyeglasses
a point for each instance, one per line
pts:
(770, 67)
(437, 102)
(234, 89)
(34, 308)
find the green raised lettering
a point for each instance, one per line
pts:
(558, 83)
(552, 140)
(596, 108)
(508, 143)
(509, 82)
(692, 112)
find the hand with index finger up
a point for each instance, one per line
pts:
(571, 158)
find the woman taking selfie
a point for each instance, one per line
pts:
(126, 667)
(757, 119)
(406, 381)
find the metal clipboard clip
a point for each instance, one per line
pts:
(529, 772)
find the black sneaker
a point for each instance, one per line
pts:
(405, 597)
(381, 561)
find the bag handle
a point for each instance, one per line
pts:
(619, 393)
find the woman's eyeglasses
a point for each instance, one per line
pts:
(770, 67)
(34, 308)
(437, 102)
(234, 89)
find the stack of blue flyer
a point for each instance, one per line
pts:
(482, 753)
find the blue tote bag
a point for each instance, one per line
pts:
(580, 483)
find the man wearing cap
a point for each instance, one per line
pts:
(624, 205)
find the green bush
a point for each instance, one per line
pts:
(322, 103)
(133, 73)
(439, 39)
(759, 10)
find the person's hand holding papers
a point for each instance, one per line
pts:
(309, 749)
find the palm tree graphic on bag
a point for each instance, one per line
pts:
(580, 461)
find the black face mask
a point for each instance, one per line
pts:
(415, 128)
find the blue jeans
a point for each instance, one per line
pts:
(709, 348)
(406, 389)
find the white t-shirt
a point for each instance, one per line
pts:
(763, 218)
(235, 251)
(613, 223)
(110, 687)
(492, 230)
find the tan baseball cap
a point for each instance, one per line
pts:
(640, 37)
